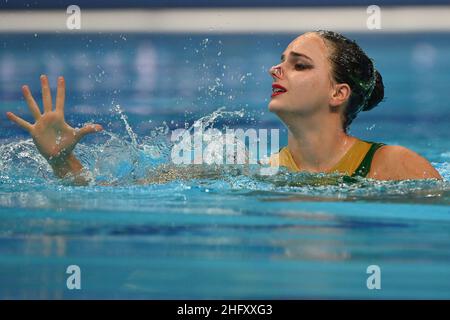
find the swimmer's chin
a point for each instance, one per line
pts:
(275, 107)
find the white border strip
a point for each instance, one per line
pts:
(218, 20)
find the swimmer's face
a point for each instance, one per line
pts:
(305, 73)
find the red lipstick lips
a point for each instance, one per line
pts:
(277, 90)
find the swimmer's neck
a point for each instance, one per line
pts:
(317, 143)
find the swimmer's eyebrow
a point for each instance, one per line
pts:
(296, 55)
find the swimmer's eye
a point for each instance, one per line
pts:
(301, 66)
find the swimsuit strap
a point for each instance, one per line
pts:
(364, 167)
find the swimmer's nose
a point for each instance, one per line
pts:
(276, 72)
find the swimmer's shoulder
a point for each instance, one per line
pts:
(392, 162)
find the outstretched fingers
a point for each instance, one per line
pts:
(87, 129)
(46, 95)
(24, 124)
(60, 95)
(32, 105)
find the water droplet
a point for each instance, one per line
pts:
(58, 139)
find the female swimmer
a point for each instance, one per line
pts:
(322, 82)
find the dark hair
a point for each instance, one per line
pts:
(351, 65)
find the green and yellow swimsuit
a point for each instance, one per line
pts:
(356, 162)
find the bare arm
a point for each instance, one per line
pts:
(53, 137)
(400, 163)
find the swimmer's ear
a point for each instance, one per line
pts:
(340, 94)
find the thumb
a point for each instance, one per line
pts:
(87, 129)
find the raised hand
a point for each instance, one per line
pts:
(53, 137)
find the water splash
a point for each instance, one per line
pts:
(117, 109)
(127, 160)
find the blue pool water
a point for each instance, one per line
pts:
(231, 235)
